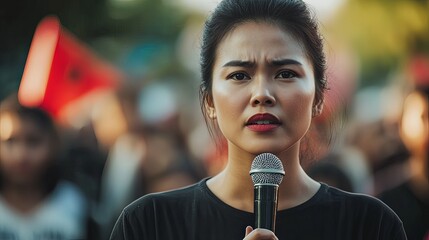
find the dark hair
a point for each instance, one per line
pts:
(46, 125)
(291, 15)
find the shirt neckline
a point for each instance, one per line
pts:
(314, 199)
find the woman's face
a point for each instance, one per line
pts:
(263, 89)
(24, 150)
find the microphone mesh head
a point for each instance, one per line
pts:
(267, 169)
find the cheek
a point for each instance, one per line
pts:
(299, 103)
(229, 102)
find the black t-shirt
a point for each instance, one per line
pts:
(414, 212)
(195, 213)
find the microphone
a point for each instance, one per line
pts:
(267, 174)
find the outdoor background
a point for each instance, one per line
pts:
(147, 133)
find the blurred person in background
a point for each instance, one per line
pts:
(167, 164)
(382, 150)
(140, 163)
(119, 182)
(410, 200)
(34, 202)
(150, 156)
(328, 170)
(84, 161)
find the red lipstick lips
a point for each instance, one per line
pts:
(263, 122)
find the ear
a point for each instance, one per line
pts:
(212, 113)
(209, 105)
(317, 108)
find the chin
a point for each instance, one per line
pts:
(273, 148)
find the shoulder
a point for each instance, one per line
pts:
(371, 212)
(173, 196)
(338, 195)
(164, 199)
(358, 202)
(146, 216)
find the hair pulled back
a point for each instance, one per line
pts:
(291, 15)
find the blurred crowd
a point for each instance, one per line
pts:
(66, 183)
(69, 175)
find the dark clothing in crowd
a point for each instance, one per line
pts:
(413, 211)
(194, 213)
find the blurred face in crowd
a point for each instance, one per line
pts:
(24, 150)
(263, 88)
(415, 129)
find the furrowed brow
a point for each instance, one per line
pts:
(239, 63)
(282, 62)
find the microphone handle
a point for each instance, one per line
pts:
(265, 206)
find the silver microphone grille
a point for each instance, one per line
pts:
(267, 169)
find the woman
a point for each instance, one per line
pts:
(262, 83)
(34, 203)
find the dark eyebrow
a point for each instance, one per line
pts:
(282, 62)
(239, 63)
(279, 62)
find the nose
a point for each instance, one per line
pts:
(262, 94)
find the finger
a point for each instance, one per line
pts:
(249, 229)
(260, 233)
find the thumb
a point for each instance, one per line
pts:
(249, 229)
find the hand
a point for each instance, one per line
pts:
(259, 234)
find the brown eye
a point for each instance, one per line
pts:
(287, 74)
(239, 76)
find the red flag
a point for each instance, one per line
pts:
(60, 70)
